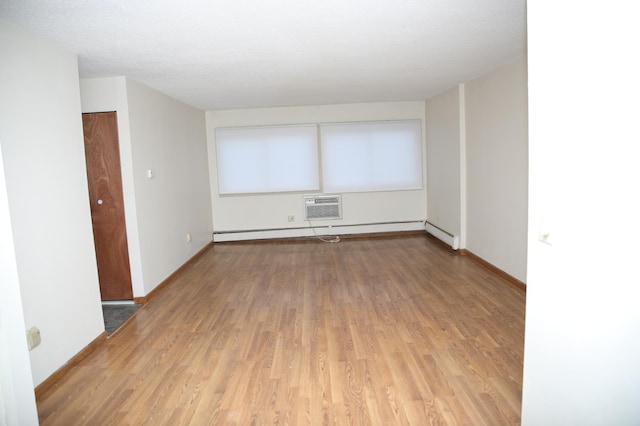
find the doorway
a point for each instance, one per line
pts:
(102, 153)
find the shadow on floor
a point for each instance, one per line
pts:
(115, 315)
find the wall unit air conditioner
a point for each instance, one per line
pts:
(320, 207)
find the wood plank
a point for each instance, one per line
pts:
(385, 330)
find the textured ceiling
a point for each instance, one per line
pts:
(222, 54)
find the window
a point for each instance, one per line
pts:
(267, 159)
(356, 157)
(371, 156)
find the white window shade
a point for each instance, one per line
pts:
(267, 159)
(371, 156)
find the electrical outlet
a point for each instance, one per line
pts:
(188, 238)
(291, 218)
(33, 337)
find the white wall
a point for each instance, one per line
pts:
(110, 94)
(496, 157)
(161, 134)
(582, 340)
(169, 138)
(477, 166)
(443, 161)
(270, 211)
(17, 398)
(43, 149)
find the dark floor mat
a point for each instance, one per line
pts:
(114, 315)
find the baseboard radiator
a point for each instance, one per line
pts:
(324, 230)
(444, 236)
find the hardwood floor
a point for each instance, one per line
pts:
(383, 331)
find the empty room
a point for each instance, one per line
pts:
(318, 213)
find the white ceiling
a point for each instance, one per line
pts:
(223, 54)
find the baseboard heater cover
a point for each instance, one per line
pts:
(444, 236)
(324, 230)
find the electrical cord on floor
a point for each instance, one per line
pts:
(335, 239)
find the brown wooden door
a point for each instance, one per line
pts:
(102, 153)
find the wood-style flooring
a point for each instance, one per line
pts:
(396, 330)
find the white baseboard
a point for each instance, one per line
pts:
(444, 236)
(324, 230)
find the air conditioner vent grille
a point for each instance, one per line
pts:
(323, 207)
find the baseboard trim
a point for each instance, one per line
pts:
(323, 230)
(372, 235)
(51, 380)
(443, 235)
(441, 243)
(513, 281)
(166, 281)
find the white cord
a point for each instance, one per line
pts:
(335, 239)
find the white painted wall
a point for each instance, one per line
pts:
(161, 134)
(497, 168)
(17, 398)
(105, 95)
(443, 161)
(270, 211)
(582, 341)
(169, 138)
(43, 149)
